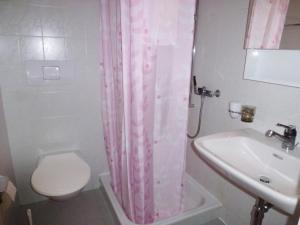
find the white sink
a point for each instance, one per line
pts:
(250, 160)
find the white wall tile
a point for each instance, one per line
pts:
(49, 3)
(57, 103)
(53, 21)
(32, 48)
(56, 133)
(30, 20)
(9, 18)
(6, 165)
(9, 50)
(75, 26)
(12, 76)
(76, 49)
(49, 116)
(54, 48)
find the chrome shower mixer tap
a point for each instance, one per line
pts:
(203, 91)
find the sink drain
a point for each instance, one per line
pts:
(264, 179)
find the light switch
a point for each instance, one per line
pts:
(51, 73)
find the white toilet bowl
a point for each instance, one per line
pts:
(60, 176)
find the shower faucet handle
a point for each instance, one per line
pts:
(217, 93)
(195, 85)
(203, 91)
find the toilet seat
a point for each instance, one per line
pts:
(60, 175)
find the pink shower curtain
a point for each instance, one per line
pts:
(267, 23)
(147, 48)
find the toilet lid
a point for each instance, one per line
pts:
(60, 174)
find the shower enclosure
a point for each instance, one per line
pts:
(147, 49)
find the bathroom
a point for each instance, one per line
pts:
(42, 115)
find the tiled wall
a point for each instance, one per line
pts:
(220, 64)
(51, 115)
(8, 212)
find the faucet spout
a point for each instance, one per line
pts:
(272, 133)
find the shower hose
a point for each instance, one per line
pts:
(199, 120)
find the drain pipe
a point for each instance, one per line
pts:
(258, 211)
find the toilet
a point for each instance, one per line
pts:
(60, 176)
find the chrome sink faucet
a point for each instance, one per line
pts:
(288, 138)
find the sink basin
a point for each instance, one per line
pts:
(255, 163)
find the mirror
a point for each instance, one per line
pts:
(273, 25)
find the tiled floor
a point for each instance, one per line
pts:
(89, 208)
(215, 222)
